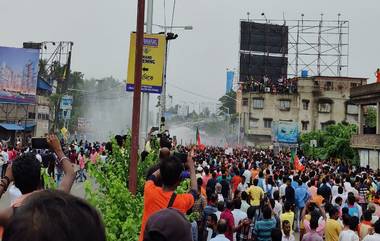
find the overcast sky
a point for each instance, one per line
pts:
(198, 59)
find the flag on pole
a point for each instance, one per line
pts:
(292, 154)
(198, 137)
(295, 162)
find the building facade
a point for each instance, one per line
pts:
(367, 141)
(310, 103)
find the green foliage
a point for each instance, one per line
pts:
(49, 181)
(333, 142)
(108, 192)
(370, 118)
(228, 101)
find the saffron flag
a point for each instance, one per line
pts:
(295, 162)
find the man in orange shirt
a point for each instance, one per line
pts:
(377, 75)
(157, 198)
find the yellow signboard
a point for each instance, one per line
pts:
(153, 63)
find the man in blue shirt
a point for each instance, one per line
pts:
(301, 196)
(263, 228)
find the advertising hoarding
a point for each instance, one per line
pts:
(18, 74)
(285, 132)
(153, 63)
(230, 80)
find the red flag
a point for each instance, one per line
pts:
(198, 137)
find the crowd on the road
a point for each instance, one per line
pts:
(240, 194)
(38, 214)
(250, 194)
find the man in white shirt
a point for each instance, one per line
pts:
(282, 188)
(286, 235)
(247, 174)
(244, 204)
(376, 235)
(242, 185)
(238, 214)
(222, 229)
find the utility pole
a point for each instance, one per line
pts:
(145, 96)
(137, 97)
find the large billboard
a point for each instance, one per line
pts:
(285, 132)
(153, 63)
(18, 74)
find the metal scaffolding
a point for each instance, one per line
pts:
(320, 47)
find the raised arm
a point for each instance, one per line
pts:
(68, 179)
(190, 164)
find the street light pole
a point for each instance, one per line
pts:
(145, 96)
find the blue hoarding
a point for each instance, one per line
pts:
(18, 74)
(285, 132)
(230, 80)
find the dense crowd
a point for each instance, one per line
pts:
(267, 85)
(196, 193)
(38, 214)
(259, 195)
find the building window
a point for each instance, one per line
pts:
(258, 103)
(352, 109)
(284, 104)
(329, 85)
(324, 107)
(305, 104)
(253, 123)
(245, 101)
(267, 123)
(353, 85)
(31, 115)
(324, 125)
(43, 116)
(305, 125)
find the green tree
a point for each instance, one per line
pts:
(370, 119)
(333, 142)
(228, 102)
(121, 211)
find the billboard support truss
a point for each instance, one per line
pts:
(319, 46)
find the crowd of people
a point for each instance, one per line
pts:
(258, 195)
(241, 195)
(267, 85)
(38, 214)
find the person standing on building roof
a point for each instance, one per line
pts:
(377, 74)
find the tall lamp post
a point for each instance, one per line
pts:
(169, 36)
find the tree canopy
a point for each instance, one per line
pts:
(332, 142)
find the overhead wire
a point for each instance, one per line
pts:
(192, 93)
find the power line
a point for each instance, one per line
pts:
(192, 93)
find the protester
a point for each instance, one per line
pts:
(264, 227)
(212, 223)
(222, 229)
(350, 227)
(376, 235)
(157, 198)
(333, 227)
(229, 217)
(286, 231)
(167, 224)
